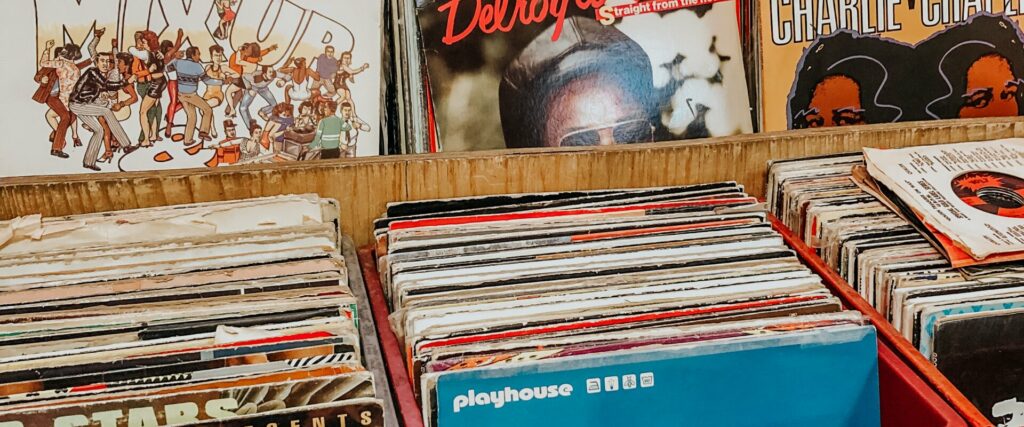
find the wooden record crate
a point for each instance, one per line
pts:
(365, 186)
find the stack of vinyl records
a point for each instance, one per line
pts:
(408, 81)
(967, 199)
(967, 321)
(617, 307)
(216, 314)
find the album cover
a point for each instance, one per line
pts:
(968, 327)
(501, 294)
(204, 405)
(980, 354)
(582, 73)
(773, 376)
(931, 316)
(836, 63)
(117, 85)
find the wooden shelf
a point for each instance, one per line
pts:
(365, 186)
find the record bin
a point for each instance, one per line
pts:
(914, 367)
(913, 392)
(906, 391)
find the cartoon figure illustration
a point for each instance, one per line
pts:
(847, 79)
(149, 71)
(297, 137)
(189, 105)
(304, 128)
(214, 94)
(251, 147)
(236, 68)
(88, 104)
(58, 75)
(980, 69)
(172, 85)
(228, 151)
(226, 12)
(255, 79)
(281, 119)
(49, 91)
(338, 135)
(351, 127)
(190, 72)
(119, 101)
(345, 75)
(326, 66)
(297, 80)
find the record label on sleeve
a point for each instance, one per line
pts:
(993, 192)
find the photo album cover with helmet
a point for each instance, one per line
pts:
(582, 72)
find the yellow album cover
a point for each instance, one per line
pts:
(845, 62)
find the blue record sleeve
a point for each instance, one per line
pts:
(821, 378)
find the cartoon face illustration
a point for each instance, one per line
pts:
(847, 79)
(972, 69)
(992, 89)
(979, 67)
(835, 102)
(105, 62)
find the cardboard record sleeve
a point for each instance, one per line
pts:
(911, 393)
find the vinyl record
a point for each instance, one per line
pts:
(992, 192)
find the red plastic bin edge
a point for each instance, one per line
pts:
(886, 332)
(906, 399)
(408, 407)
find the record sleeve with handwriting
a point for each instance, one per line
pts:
(582, 72)
(968, 196)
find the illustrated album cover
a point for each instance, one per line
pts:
(118, 85)
(838, 63)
